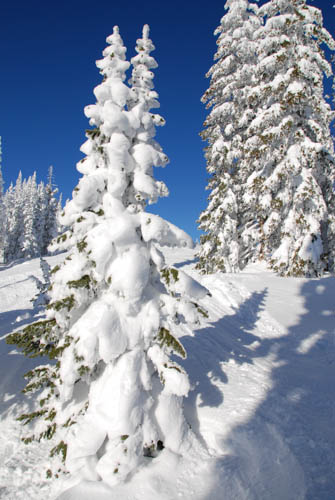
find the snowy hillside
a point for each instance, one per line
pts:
(262, 404)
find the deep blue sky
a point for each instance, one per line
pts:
(48, 51)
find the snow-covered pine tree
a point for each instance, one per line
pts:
(8, 201)
(2, 210)
(40, 214)
(51, 211)
(232, 77)
(114, 397)
(14, 227)
(1, 178)
(29, 246)
(290, 192)
(43, 286)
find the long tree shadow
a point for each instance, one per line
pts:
(286, 448)
(11, 320)
(227, 339)
(13, 363)
(185, 262)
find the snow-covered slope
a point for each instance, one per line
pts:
(262, 403)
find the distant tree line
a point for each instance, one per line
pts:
(28, 217)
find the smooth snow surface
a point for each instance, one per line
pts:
(262, 404)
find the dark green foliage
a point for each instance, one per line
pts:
(67, 303)
(34, 339)
(93, 133)
(83, 282)
(26, 418)
(49, 433)
(62, 238)
(81, 245)
(60, 449)
(212, 262)
(165, 338)
(38, 339)
(48, 415)
(83, 370)
(169, 274)
(40, 377)
(173, 367)
(200, 310)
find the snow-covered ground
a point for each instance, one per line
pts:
(262, 404)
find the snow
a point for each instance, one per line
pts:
(261, 405)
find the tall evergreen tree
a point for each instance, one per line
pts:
(29, 246)
(14, 224)
(2, 210)
(116, 310)
(40, 216)
(273, 198)
(226, 129)
(290, 191)
(50, 209)
(1, 178)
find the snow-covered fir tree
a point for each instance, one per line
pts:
(290, 192)
(115, 396)
(232, 77)
(50, 208)
(30, 215)
(13, 226)
(2, 210)
(283, 168)
(42, 297)
(1, 177)
(29, 238)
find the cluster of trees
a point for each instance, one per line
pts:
(270, 152)
(111, 395)
(28, 217)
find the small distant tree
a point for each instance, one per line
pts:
(50, 212)
(14, 227)
(29, 246)
(42, 297)
(2, 210)
(116, 309)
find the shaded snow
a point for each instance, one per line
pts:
(262, 404)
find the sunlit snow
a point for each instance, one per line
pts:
(261, 403)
